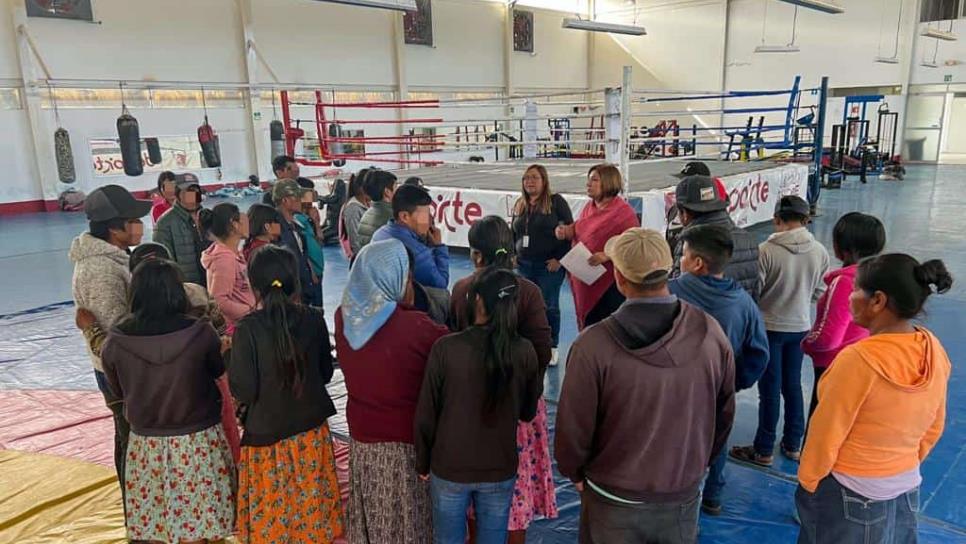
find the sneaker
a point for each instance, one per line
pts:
(553, 357)
(711, 507)
(747, 454)
(792, 455)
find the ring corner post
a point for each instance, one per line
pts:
(815, 181)
(625, 124)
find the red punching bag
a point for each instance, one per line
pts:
(209, 145)
(129, 139)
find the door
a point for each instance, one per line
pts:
(924, 125)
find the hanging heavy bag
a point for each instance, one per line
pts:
(276, 131)
(129, 138)
(154, 151)
(64, 155)
(209, 145)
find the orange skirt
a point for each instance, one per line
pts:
(288, 492)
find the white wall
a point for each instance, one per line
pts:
(16, 149)
(559, 58)
(951, 57)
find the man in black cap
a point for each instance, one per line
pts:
(101, 279)
(180, 230)
(701, 201)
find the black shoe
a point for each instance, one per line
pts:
(711, 507)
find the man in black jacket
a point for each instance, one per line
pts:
(699, 202)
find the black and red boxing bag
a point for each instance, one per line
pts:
(129, 138)
(210, 149)
(64, 155)
(154, 151)
(276, 131)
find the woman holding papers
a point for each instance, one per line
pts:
(606, 216)
(536, 215)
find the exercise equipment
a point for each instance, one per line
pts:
(276, 131)
(154, 150)
(129, 140)
(64, 155)
(210, 150)
(854, 151)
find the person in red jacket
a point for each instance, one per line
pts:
(382, 344)
(166, 194)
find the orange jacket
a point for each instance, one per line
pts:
(881, 408)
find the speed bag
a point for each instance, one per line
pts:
(64, 155)
(129, 138)
(209, 145)
(276, 131)
(154, 150)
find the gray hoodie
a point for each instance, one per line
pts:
(791, 265)
(101, 279)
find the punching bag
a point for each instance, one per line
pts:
(209, 145)
(129, 138)
(65, 156)
(276, 131)
(154, 151)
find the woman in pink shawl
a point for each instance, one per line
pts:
(606, 216)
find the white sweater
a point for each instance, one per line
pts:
(791, 265)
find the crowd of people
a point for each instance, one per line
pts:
(211, 349)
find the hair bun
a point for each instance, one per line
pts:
(934, 273)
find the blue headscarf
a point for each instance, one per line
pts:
(377, 282)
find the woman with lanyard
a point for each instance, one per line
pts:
(536, 214)
(606, 216)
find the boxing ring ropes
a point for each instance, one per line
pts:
(623, 128)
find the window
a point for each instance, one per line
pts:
(939, 10)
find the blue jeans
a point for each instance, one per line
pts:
(491, 502)
(715, 480)
(549, 284)
(835, 514)
(782, 380)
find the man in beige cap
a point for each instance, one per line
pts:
(647, 403)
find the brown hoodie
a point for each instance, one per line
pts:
(647, 401)
(881, 408)
(167, 381)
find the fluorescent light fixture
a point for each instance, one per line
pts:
(887, 60)
(398, 5)
(939, 34)
(929, 64)
(777, 49)
(818, 5)
(597, 26)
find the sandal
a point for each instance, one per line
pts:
(747, 454)
(792, 455)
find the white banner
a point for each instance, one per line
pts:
(753, 197)
(455, 210)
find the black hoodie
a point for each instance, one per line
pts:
(167, 381)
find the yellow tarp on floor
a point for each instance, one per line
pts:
(48, 499)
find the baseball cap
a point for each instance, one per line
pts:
(285, 188)
(693, 168)
(114, 202)
(700, 193)
(186, 181)
(793, 204)
(640, 255)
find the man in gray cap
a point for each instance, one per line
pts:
(700, 201)
(101, 279)
(180, 230)
(287, 196)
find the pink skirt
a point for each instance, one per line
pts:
(228, 421)
(534, 493)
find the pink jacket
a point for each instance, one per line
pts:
(833, 329)
(228, 282)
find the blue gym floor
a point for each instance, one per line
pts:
(40, 349)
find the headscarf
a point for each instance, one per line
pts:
(377, 282)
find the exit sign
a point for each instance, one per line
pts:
(947, 78)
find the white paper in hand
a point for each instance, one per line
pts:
(575, 261)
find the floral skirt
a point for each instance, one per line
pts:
(387, 500)
(288, 492)
(534, 493)
(179, 487)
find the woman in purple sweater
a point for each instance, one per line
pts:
(855, 237)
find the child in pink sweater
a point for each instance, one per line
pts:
(855, 237)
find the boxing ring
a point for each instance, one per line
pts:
(471, 152)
